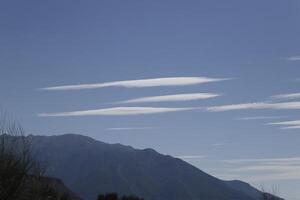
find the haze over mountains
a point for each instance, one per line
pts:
(90, 167)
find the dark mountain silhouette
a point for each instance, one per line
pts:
(90, 167)
(244, 187)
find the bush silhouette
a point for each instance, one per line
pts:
(114, 196)
(21, 176)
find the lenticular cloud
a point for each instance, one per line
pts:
(155, 82)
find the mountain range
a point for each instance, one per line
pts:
(90, 167)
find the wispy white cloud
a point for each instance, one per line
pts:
(218, 144)
(169, 81)
(293, 58)
(258, 105)
(297, 80)
(285, 175)
(175, 97)
(288, 160)
(236, 107)
(290, 127)
(260, 117)
(295, 122)
(116, 111)
(128, 128)
(260, 177)
(267, 169)
(287, 96)
(191, 157)
(288, 124)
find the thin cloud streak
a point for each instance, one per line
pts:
(218, 144)
(288, 175)
(171, 98)
(191, 157)
(258, 105)
(260, 117)
(288, 124)
(154, 110)
(169, 81)
(129, 128)
(290, 127)
(289, 160)
(116, 111)
(265, 169)
(295, 122)
(286, 96)
(256, 178)
(293, 58)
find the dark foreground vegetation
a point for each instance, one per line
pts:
(114, 196)
(21, 176)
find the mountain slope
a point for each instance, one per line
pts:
(244, 187)
(248, 189)
(90, 167)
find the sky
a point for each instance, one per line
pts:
(215, 83)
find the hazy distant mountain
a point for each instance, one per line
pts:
(90, 167)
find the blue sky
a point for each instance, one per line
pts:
(178, 63)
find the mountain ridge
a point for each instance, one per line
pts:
(96, 167)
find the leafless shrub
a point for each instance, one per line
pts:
(270, 195)
(16, 159)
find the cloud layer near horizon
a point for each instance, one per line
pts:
(116, 111)
(169, 81)
(265, 169)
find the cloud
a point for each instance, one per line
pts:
(170, 81)
(287, 96)
(175, 97)
(260, 117)
(218, 144)
(116, 111)
(288, 124)
(286, 175)
(295, 122)
(258, 105)
(236, 107)
(291, 127)
(266, 169)
(293, 58)
(258, 176)
(191, 157)
(128, 128)
(262, 177)
(272, 161)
